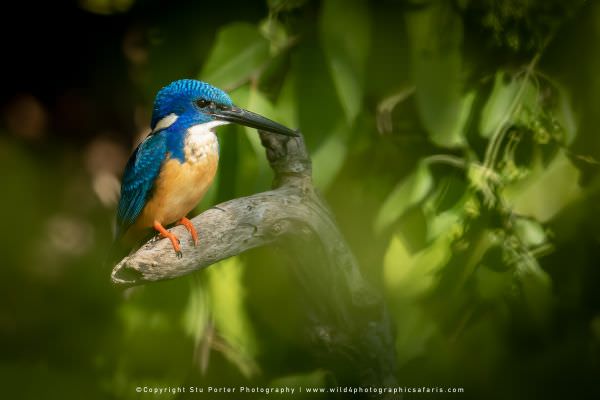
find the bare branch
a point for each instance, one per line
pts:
(351, 327)
(224, 231)
(232, 227)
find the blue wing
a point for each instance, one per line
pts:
(138, 180)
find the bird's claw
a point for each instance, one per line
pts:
(178, 253)
(190, 228)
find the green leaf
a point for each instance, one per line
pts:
(397, 259)
(239, 52)
(444, 209)
(345, 34)
(498, 109)
(495, 109)
(318, 107)
(409, 275)
(331, 150)
(536, 288)
(274, 31)
(252, 99)
(436, 34)
(406, 194)
(254, 171)
(546, 191)
(531, 232)
(286, 102)
(566, 116)
(229, 313)
(328, 159)
(441, 223)
(196, 313)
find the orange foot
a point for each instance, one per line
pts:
(190, 227)
(166, 234)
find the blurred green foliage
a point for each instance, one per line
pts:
(457, 144)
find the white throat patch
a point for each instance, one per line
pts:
(201, 141)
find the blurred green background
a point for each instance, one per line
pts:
(456, 142)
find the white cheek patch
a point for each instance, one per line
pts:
(165, 122)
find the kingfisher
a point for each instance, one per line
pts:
(170, 171)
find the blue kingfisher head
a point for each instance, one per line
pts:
(190, 102)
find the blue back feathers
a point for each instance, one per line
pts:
(144, 165)
(140, 173)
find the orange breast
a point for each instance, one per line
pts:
(178, 189)
(181, 185)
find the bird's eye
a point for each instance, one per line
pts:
(202, 103)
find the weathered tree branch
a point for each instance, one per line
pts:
(350, 321)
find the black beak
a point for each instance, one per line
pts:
(250, 119)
